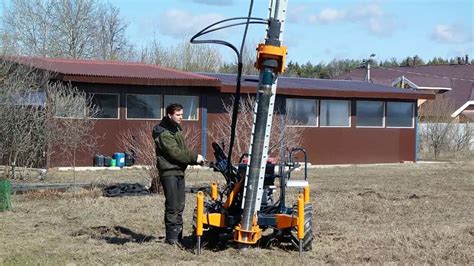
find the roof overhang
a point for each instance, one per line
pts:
(412, 84)
(335, 93)
(462, 108)
(439, 90)
(143, 81)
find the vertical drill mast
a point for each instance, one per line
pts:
(270, 61)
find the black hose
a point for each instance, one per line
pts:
(235, 110)
(239, 53)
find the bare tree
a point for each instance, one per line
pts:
(182, 56)
(22, 114)
(283, 135)
(31, 108)
(71, 121)
(75, 27)
(139, 142)
(461, 137)
(67, 28)
(113, 44)
(436, 126)
(28, 25)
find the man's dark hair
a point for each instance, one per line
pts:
(172, 108)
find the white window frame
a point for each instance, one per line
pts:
(197, 107)
(317, 113)
(412, 117)
(118, 105)
(383, 115)
(349, 116)
(161, 108)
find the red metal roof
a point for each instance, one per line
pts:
(322, 87)
(116, 72)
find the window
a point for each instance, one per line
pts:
(335, 113)
(399, 114)
(107, 104)
(189, 103)
(69, 106)
(370, 113)
(143, 106)
(302, 112)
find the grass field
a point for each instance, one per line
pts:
(408, 213)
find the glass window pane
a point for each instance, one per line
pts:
(335, 113)
(107, 105)
(399, 114)
(302, 112)
(143, 106)
(69, 106)
(189, 103)
(369, 114)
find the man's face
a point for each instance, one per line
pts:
(177, 116)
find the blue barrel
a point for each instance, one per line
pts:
(120, 159)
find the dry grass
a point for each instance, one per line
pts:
(409, 214)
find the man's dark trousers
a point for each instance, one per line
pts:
(173, 187)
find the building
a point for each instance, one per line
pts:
(345, 121)
(454, 82)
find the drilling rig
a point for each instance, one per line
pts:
(244, 208)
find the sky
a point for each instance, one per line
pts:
(317, 30)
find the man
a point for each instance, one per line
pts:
(172, 160)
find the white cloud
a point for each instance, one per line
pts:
(381, 27)
(367, 11)
(451, 34)
(294, 14)
(179, 23)
(330, 15)
(370, 15)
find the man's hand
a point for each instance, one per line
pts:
(200, 159)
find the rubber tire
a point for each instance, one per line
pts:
(308, 229)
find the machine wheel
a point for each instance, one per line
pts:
(308, 229)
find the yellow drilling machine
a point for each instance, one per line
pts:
(244, 209)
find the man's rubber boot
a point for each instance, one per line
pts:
(174, 235)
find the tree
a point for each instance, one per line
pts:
(23, 117)
(182, 56)
(113, 44)
(71, 120)
(248, 62)
(437, 128)
(139, 142)
(337, 67)
(69, 28)
(30, 107)
(29, 26)
(390, 63)
(282, 136)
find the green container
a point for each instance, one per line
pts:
(5, 195)
(113, 163)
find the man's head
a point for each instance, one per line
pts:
(175, 112)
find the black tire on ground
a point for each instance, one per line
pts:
(308, 229)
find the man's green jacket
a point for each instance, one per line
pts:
(172, 155)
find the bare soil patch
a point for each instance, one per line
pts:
(410, 214)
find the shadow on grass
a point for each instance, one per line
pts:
(117, 235)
